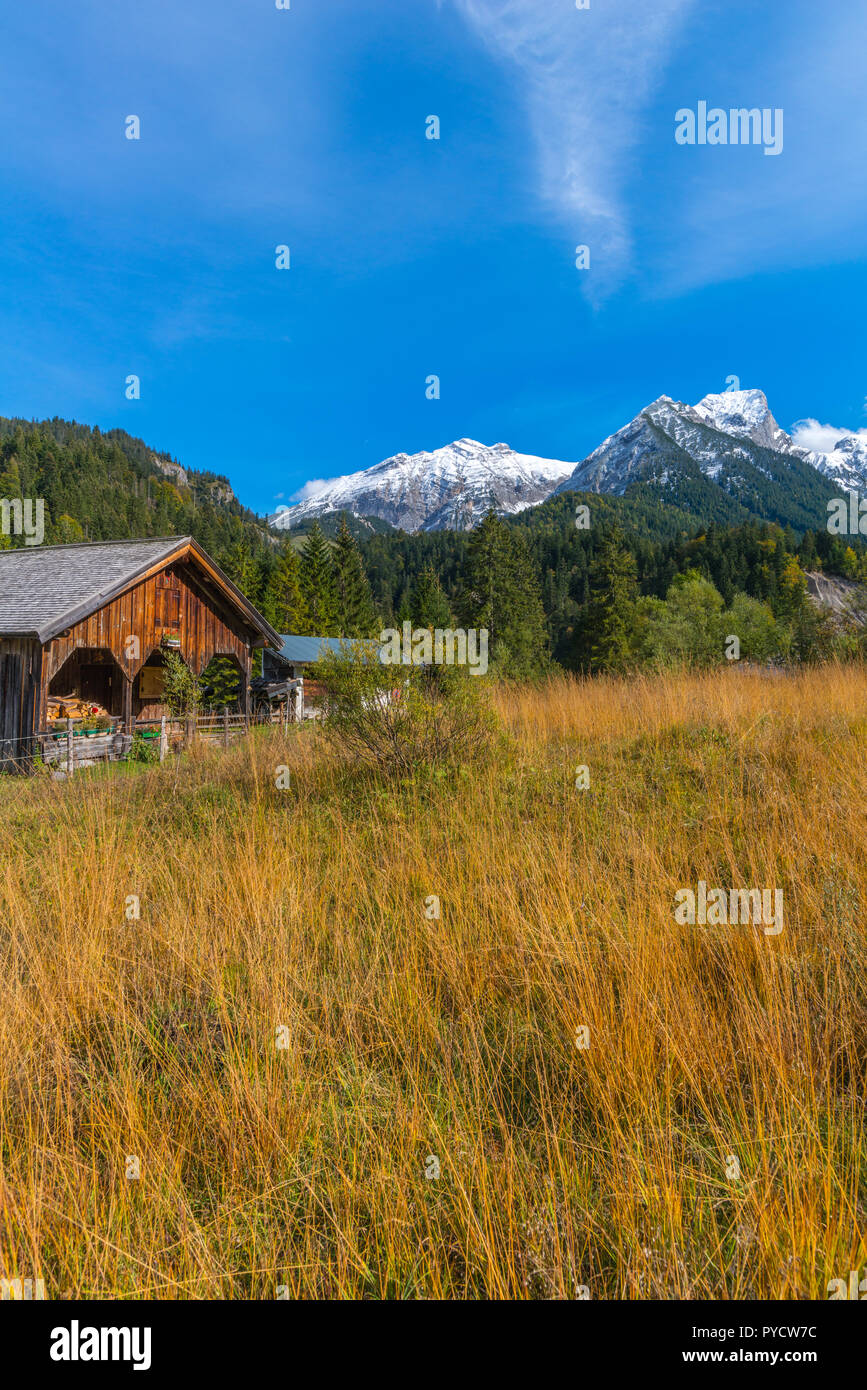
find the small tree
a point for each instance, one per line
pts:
(401, 719)
(607, 637)
(182, 691)
(224, 678)
(501, 593)
(290, 608)
(687, 628)
(753, 623)
(429, 606)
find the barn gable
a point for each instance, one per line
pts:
(96, 618)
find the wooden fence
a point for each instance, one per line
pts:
(71, 751)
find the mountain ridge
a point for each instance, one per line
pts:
(725, 458)
(449, 488)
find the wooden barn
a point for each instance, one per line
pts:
(97, 619)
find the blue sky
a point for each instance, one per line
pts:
(412, 257)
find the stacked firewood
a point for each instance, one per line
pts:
(73, 707)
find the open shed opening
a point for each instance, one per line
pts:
(89, 676)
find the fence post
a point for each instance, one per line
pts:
(70, 750)
(225, 726)
(164, 739)
(189, 728)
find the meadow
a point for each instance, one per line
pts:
(442, 1037)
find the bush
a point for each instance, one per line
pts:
(690, 627)
(400, 719)
(686, 628)
(755, 626)
(182, 690)
(144, 750)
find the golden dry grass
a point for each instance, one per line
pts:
(411, 1037)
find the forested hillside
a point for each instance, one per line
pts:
(109, 486)
(567, 560)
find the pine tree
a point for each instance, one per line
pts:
(608, 624)
(429, 606)
(289, 604)
(355, 612)
(221, 679)
(238, 563)
(501, 592)
(318, 585)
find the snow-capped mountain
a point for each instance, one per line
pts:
(845, 464)
(705, 433)
(725, 459)
(449, 488)
(746, 413)
(715, 435)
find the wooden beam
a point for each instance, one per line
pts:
(127, 704)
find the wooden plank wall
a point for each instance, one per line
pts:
(175, 600)
(20, 663)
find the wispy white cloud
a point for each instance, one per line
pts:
(585, 76)
(601, 87)
(311, 489)
(822, 439)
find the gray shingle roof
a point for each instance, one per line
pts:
(46, 588)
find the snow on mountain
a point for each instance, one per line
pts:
(840, 454)
(448, 488)
(729, 439)
(846, 464)
(745, 414)
(705, 432)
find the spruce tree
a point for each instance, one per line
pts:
(289, 604)
(355, 612)
(501, 592)
(239, 565)
(609, 619)
(429, 606)
(318, 584)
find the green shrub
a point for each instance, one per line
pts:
(182, 691)
(401, 719)
(144, 750)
